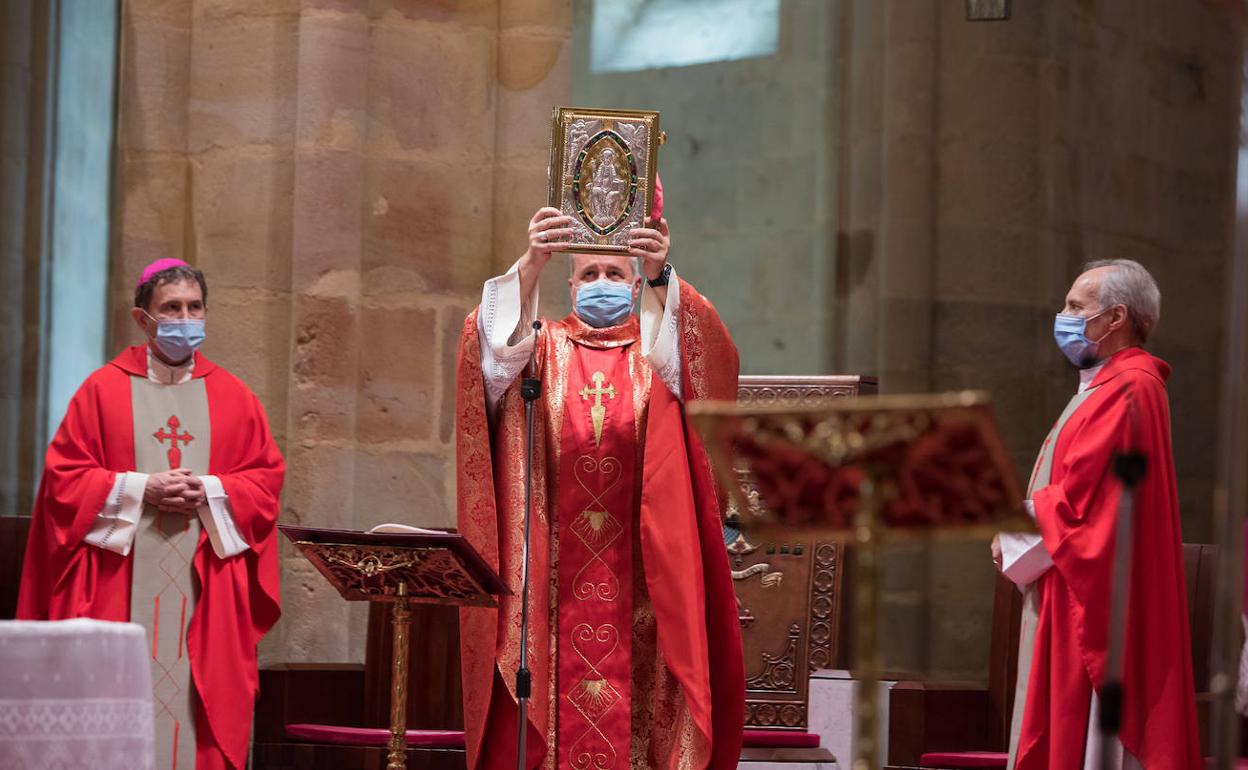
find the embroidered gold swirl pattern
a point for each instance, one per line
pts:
(596, 527)
(594, 696)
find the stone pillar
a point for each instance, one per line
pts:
(16, 33)
(331, 125)
(153, 170)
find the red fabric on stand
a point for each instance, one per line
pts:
(779, 739)
(964, 760)
(373, 736)
(239, 598)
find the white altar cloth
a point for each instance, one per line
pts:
(75, 694)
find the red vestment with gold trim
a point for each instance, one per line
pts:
(635, 646)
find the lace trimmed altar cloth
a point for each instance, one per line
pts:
(74, 694)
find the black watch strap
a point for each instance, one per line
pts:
(663, 278)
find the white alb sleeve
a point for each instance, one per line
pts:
(504, 329)
(218, 520)
(116, 525)
(660, 334)
(1023, 555)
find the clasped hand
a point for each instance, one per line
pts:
(175, 491)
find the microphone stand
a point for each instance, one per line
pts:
(1129, 468)
(530, 391)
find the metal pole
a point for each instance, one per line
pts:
(866, 637)
(530, 391)
(1231, 490)
(1129, 468)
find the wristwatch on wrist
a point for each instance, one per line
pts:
(663, 278)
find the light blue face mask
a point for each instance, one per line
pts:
(604, 303)
(1070, 333)
(178, 338)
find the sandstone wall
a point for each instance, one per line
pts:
(15, 145)
(347, 173)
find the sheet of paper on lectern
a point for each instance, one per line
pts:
(403, 529)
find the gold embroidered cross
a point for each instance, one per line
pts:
(598, 412)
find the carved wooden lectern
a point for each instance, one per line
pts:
(788, 589)
(435, 567)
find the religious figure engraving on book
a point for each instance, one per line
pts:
(606, 191)
(602, 175)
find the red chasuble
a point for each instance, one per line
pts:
(635, 646)
(64, 578)
(1077, 515)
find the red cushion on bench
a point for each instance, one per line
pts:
(965, 760)
(779, 739)
(374, 736)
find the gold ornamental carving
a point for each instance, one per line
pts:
(369, 572)
(825, 604)
(778, 674)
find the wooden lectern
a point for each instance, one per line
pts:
(862, 470)
(434, 567)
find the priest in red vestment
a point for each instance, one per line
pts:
(1065, 571)
(157, 505)
(635, 647)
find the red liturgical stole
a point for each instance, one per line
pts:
(596, 504)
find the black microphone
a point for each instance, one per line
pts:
(531, 385)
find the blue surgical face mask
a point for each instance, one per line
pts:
(178, 338)
(1070, 333)
(604, 303)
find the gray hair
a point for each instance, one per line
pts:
(634, 262)
(1129, 284)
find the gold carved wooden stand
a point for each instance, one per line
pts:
(789, 591)
(863, 471)
(436, 567)
(398, 692)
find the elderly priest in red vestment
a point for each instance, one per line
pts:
(635, 645)
(157, 505)
(1065, 571)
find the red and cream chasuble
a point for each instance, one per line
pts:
(205, 615)
(171, 430)
(595, 511)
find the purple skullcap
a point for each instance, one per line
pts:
(656, 206)
(158, 266)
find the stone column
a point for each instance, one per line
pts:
(890, 206)
(16, 34)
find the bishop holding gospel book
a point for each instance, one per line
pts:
(635, 647)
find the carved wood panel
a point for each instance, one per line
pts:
(788, 593)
